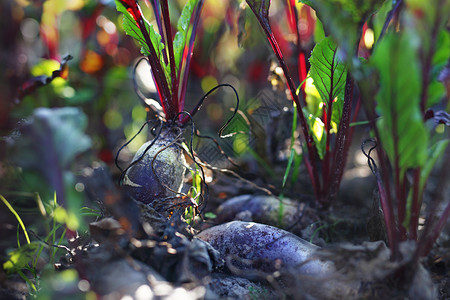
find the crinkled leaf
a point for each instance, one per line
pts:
(327, 71)
(19, 258)
(132, 29)
(329, 74)
(402, 130)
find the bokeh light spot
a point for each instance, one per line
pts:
(369, 38)
(112, 119)
(208, 82)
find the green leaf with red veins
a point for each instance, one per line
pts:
(132, 29)
(402, 130)
(329, 75)
(327, 71)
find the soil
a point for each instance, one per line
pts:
(133, 251)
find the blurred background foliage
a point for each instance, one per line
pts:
(36, 35)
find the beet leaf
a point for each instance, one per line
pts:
(183, 31)
(327, 71)
(401, 127)
(434, 51)
(329, 76)
(184, 43)
(168, 55)
(138, 27)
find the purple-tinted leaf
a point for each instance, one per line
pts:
(48, 144)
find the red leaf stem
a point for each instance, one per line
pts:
(162, 86)
(383, 184)
(342, 142)
(427, 239)
(415, 207)
(291, 12)
(169, 45)
(261, 11)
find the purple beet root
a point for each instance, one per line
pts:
(250, 247)
(159, 174)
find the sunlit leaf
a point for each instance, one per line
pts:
(318, 133)
(182, 35)
(131, 19)
(132, 29)
(19, 258)
(329, 75)
(327, 71)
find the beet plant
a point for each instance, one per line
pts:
(402, 87)
(407, 107)
(325, 124)
(157, 170)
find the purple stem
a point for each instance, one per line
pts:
(427, 240)
(383, 184)
(415, 207)
(326, 161)
(394, 11)
(311, 165)
(342, 140)
(158, 17)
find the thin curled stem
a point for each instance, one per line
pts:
(122, 176)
